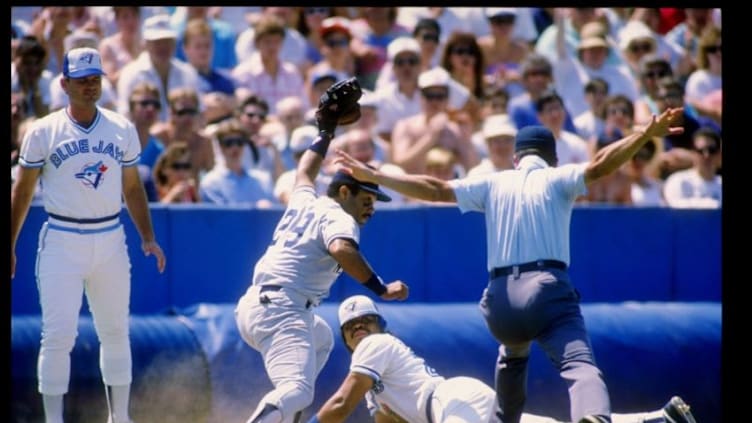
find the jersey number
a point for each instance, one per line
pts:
(291, 227)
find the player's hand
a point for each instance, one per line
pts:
(667, 123)
(354, 167)
(396, 290)
(339, 105)
(12, 264)
(151, 247)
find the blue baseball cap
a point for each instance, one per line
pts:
(342, 178)
(537, 137)
(82, 62)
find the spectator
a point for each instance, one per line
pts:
(636, 40)
(199, 48)
(619, 112)
(293, 48)
(415, 135)
(502, 53)
(29, 77)
(309, 26)
(51, 27)
(699, 186)
(498, 133)
(175, 176)
(157, 65)
(125, 45)
(445, 17)
(336, 54)
(19, 120)
(184, 124)
(318, 83)
(679, 147)
(537, 78)
(426, 33)
(144, 110)
(570, 148)
(571, 72)
(652, 69)
(463, 59)
(402, 98)
(591, 123)
(614, 188)
(265, 73)
(290, 115)
(222, 36)
(58, 97)
(372, 32)
(260, 153)
(369, 118)
(572, 21)
(707, 79)
(231, 183)
(666, 49)
(687, 34)
(646, 189)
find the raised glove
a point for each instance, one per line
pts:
(339, 105)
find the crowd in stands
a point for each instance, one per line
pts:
(223, 98)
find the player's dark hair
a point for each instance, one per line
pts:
(382, 324)
(333, 190)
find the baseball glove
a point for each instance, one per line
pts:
(339, 105)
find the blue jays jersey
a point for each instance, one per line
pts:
(81, 168)
(298, 257)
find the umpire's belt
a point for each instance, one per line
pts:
(275, 288)
(526, 267)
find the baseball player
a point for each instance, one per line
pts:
(87, 158)
(529, 296)
(315, 240)
(399, 386)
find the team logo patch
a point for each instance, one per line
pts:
(92, 175)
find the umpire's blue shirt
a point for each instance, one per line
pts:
(527, 209)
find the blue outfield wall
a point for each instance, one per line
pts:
(617, 254)
(194, 367)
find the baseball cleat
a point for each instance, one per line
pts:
(677, 411)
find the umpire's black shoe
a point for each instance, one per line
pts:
(677, 411)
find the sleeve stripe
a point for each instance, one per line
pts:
(23, 162)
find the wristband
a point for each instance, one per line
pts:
(314, 419)
(321, 144)
(376, 284)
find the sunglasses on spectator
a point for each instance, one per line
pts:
(502, 20)
(656, 74)
(640, 48)
(618, 110)
(713, 49)
(252, 115)
(181, 166)
(430, 37)
(537, 72)
(146, 103)
(229, 142)
(710, 150)
(434, 95)
(411, 61)
(186, 112)
(317, 10)
(337, 42)
(670, 96)
(463, 52)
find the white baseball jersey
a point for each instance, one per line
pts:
(403, 384)
(298, 257)
(81, 167)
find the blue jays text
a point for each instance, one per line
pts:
(72, 148)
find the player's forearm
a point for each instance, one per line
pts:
(423, 187)
(20, 201)
(612, 156)
(308, 168)
(138, 209)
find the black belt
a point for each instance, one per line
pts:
(526, 267)
(89, 220)
(429, 418)
(275, 288)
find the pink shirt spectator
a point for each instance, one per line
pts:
(288, 82)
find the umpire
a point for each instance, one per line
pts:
(529, 296)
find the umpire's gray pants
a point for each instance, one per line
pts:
(541, 306)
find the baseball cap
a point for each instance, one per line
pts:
(158, 27)
(635, 31)
(535, 136)
(323, 73)
(401, 45)
(593, 34)
(335, 23)
(342, 178)
(498, 11)
(81, 38)
(436, 77)
(82, 62)
(497, 125)
(357, 306)
(302, 137)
